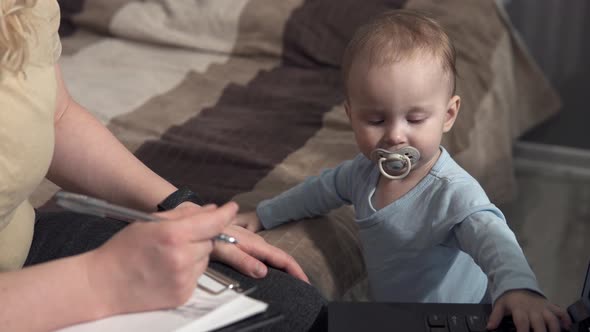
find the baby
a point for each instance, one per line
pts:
(428, 230)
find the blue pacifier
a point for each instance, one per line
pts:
(397, 164)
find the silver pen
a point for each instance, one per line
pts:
(100, 208)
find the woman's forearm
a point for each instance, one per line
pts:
(48, 296)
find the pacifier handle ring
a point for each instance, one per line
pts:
(395, 177)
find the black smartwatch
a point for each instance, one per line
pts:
(176, 198)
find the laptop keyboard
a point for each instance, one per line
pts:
(423, 317)
(464, 323)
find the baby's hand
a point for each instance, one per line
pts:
(249, 221)
(530, 311)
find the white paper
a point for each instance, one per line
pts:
(202, 312)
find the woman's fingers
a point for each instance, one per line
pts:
(277, 258)
(252, 254)
(161, 261)
(201, 224)
(241, 261)
(200, 250)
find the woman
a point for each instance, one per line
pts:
(79, 268)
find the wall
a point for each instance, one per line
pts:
(556, 32)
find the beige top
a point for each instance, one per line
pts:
(27, 107)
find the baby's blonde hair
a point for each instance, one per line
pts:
(398, 34)
(15, 28)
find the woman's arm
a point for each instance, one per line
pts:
(47, 296)
(89, 159)
(146, 266)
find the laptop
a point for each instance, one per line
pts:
(436, 317)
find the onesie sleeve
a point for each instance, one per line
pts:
(487, 238)
(317, 195)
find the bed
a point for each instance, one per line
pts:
(242, 99)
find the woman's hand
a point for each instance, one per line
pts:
(249, 221)
(530, 311)
(252, 253)
(154, 265)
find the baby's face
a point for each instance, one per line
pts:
(406, 103)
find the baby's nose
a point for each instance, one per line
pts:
(394, 136)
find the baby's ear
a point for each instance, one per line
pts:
(451, 113)
(347, 108)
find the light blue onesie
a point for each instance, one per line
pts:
(420, 247)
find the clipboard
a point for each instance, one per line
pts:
(214, 282)
(203, 312)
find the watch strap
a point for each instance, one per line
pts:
(178, 197)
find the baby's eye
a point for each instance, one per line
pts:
(375, 122)
(415, 121)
